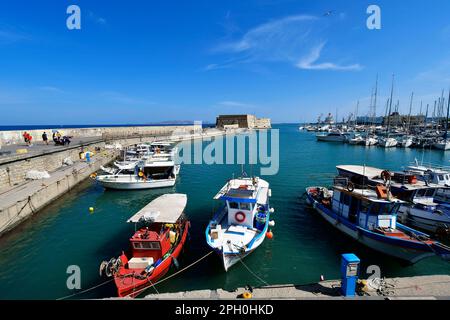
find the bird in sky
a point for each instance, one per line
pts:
(328, 13)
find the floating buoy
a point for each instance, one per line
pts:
(269, 234)
(322, 278)
(272, 210)
(91, 209)
(272, 223)
(247, 295)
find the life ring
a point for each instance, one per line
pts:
(239, 216)
(350, 187)
(385, 175)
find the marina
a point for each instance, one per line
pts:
(91, 237)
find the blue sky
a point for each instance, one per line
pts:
(151, 61)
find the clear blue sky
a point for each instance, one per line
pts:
(150, 61)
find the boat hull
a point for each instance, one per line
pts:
(135, 184)
(370, 239)
(129, 286)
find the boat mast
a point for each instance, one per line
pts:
(446, 121)
(410, 109)
(390, 107)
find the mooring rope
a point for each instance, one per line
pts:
(254, 274)
(84, 291)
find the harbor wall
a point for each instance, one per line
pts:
(15, 137)
(23, 202)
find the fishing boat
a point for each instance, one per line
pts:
(370, 217)
(161, 232)
(241, 224)
(144, 174)
(419, 209)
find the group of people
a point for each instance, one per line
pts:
(57, 138)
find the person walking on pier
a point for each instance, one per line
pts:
(45, 138)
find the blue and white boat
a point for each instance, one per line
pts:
(241, 224)
(370, 217)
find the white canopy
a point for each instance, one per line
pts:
(164, 209)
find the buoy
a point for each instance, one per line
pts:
(272, 210)
(272, 223)
(91, 209)
(269, 234)
(247, 295)
(322, 278)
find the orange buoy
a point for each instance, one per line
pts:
(269, 234)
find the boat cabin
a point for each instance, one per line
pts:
(159, 223)
(365, 208)
(246, 202)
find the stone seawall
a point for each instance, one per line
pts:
(15, 137)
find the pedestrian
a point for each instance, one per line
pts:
(25, 137)
(30, 138)
(45, 138)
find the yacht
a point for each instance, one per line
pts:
(333, 136)
(144, 174)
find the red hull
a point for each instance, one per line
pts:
(131, 286)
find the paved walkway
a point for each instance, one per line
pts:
(423, 287)
(8, 152)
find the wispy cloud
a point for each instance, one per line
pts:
(309, 62)
(298, 40)
(9, 36)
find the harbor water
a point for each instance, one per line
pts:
(35, 256)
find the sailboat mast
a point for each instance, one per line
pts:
(446, 121)
(410, 109)
(390, 106)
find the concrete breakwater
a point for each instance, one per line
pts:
(15, 137)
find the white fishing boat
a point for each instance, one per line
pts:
(370, 217)
(434, 174)
(146, 174)
(241, 224)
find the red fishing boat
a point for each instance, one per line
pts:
(161, 232)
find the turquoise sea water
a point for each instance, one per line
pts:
(36, 254)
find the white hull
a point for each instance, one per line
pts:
(410, 255)
(407, 143)
(442, 145)
(387, 143)
(122, 183)
(423, 219)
